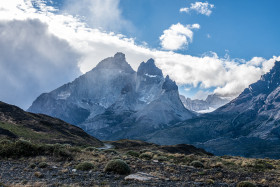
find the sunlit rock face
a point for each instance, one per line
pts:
(113, 101)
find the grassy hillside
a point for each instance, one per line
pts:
(16, 123)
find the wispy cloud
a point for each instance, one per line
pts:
(199, 7)
(177, 36)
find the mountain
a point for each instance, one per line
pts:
(16, 123)
(112, 101)
(248, 125)
(90, 94)
(211, 103)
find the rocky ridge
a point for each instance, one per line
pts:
(248, 125)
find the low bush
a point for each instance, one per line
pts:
(5, 141)
(112, 151)
(160, 158)
(39, 175)
(245, 184)
(85, 166)
(32, 166)
(117, 166)
(145, 150)
(262, 165)
(146, 156)
(42, 165)
(62, 153)
(197, 164)
(23, 148)
(18, 149)
(90, 149)
(133, 153)
(74, 149)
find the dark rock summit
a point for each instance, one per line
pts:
(149, 69)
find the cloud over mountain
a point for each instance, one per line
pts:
(32, 61)
(56, 46)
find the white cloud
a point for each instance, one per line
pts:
(195, 26)
(104, 14)
(184, 9)
(229, 76)
(177, 36)
(199, 7)
(54, 43)
(256, 61)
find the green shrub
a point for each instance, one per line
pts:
(112, 151)
(145, 150)
(85, 166)
(62, 153)
(23, 148)
(90, 149)
(5, 141)
(161, 158)
(245, 184)
(210, 181)
(32, 166)
(39, 174)
(20, 148)
(117, 166)
(42, 165)
(146, 156)
(133, 153)
(262, 165)
(75, 149)
(197, 164)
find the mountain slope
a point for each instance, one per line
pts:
(248, 125)
(112, 101)
(16, 123)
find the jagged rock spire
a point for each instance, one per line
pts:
(149, 68)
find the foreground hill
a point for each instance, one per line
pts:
(112, 101)
(136, 163)
(248, 125)
(16, 123)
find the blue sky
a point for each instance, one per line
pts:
(241, 28)
(214, 46)
(244, 28)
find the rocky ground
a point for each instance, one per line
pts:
(150, 165)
